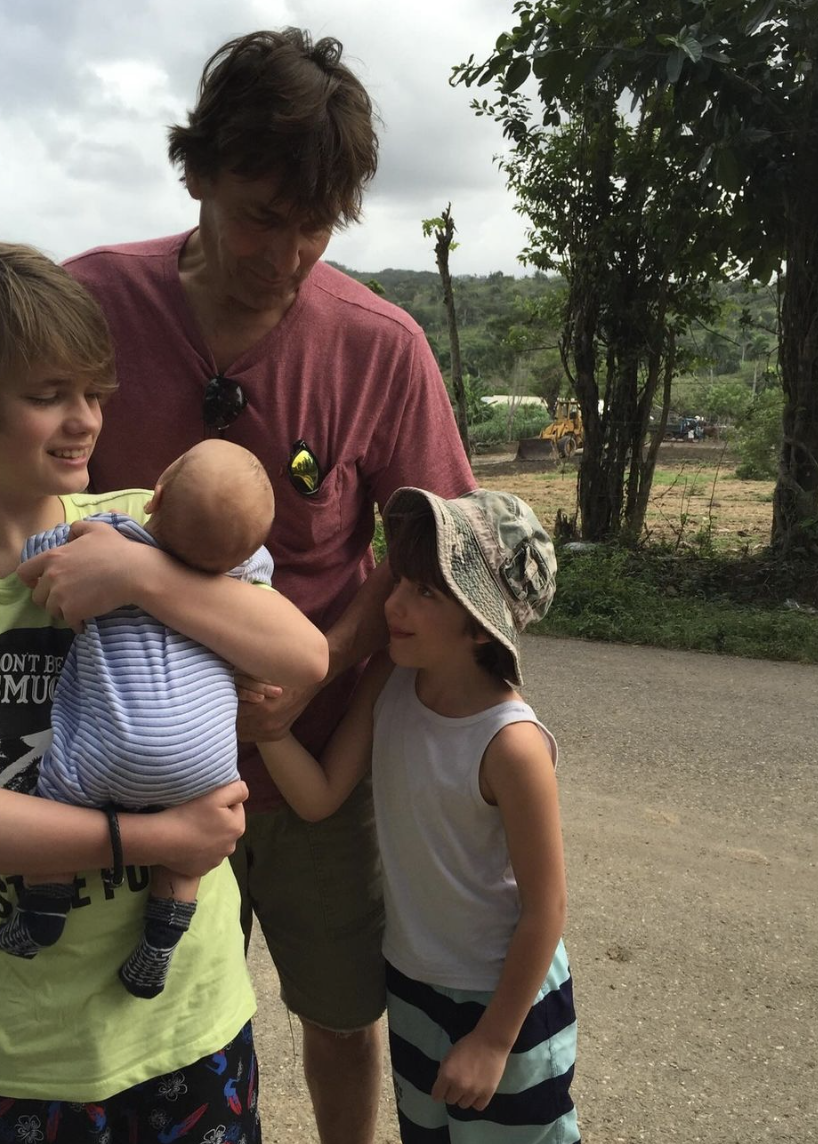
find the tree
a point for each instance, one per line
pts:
(621, 218)
(443, 229)
(739, 82)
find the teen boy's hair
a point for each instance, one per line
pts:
(46, 316)
(274, 103)
(413, 555)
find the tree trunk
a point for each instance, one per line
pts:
(795, 501)
(442, 246)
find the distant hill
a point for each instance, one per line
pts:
(508, 331)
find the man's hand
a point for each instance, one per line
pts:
(89, 576)
(470, 1072)
(204, 831)
(267, 712)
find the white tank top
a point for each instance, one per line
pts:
(451, 898)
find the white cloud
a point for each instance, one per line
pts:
(87, 89)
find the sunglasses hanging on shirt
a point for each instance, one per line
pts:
(224, 399)
(303, 469)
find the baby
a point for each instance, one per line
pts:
(144, 717)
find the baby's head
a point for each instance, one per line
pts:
(48, 318)
(212, 507)
(487, 551)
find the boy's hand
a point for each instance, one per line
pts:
(266, 711)
(204, 831)
(470, 1072)
(91, 575)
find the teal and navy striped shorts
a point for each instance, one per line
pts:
(532, 1104)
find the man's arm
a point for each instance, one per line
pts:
(267, 711)
(258, 631)
(38, 835)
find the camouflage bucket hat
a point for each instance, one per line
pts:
(495, 556)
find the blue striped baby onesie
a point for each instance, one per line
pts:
(142, 716)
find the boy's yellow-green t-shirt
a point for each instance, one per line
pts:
(69, 1030)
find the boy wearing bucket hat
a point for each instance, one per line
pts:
(481, 1017)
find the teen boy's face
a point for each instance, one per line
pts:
(426, 628)
(49, 424)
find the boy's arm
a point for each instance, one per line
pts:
(258, 631)
(38, 835)
(519, 776)
(315, 790)
(269, 711)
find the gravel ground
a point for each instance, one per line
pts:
(688, 787)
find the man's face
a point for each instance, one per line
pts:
(257, 249)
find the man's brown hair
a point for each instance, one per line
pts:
(46, 316)
(274, 103)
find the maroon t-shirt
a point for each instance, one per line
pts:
(347, 372)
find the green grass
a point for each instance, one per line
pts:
(709, 604)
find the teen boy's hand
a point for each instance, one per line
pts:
(198, 835)
(470, 1072)
(89, 576)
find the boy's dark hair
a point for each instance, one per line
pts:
(274, 103)
(413, 555)
(47, 317)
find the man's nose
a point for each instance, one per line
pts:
(284, 250)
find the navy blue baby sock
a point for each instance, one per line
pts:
(38, 920)
(146, 970)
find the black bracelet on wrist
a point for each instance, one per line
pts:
(115, 875)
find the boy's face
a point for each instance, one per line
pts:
(49, 424)
(426, 627)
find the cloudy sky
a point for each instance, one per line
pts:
(87, 88)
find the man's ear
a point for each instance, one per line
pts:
(481, 636)
(193, 182)
(153, 503)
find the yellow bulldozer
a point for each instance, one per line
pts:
(560, 439)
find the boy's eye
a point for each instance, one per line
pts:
(43, 398)
(425, 590)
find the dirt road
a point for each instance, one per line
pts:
(689, 802)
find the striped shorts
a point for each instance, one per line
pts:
(532, 1104)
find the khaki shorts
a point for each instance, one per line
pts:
(315, 888)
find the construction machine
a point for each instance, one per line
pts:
(560, 439)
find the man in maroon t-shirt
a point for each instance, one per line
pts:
(237, 328)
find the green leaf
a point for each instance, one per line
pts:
(517, 74)
(691, 48)
(728, 170)
(673, 66)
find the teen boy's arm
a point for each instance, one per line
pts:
(260, 632)
(38, 835)
(518, 775)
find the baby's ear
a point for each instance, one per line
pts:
(153, 503)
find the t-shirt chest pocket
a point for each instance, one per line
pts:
(304, 522)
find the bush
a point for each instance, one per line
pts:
(527, 421)
(654, 596)
(759, 437)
